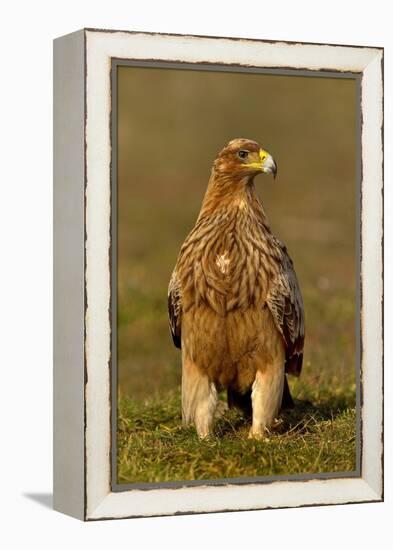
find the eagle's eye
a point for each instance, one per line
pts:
(243, 154)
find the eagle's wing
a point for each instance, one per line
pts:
(285, 302)
(175, 309)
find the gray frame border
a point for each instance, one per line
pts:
(69, 291)
(164, 64)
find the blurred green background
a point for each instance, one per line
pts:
(171, 124)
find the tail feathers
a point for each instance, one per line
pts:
(287, 401)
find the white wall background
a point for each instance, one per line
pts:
(26, 294)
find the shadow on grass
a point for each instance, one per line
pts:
(299, 420)
(306, 414)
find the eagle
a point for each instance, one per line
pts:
(234, 302)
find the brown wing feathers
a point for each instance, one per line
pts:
(174, 309)
(286, 305)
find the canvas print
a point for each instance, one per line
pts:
(237, 275)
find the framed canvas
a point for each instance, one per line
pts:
(139, 120)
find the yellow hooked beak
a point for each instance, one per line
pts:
(268, 164)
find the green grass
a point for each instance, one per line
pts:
(153, 446)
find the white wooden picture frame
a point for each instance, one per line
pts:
(83, 286)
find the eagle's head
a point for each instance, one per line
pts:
(244, 158)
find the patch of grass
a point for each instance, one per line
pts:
(153, 446)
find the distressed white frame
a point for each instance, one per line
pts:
(100, 47)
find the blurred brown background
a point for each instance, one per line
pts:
(171, 124)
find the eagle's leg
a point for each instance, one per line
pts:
(199, 398)
(266, 398)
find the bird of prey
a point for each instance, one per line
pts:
(235, 306)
